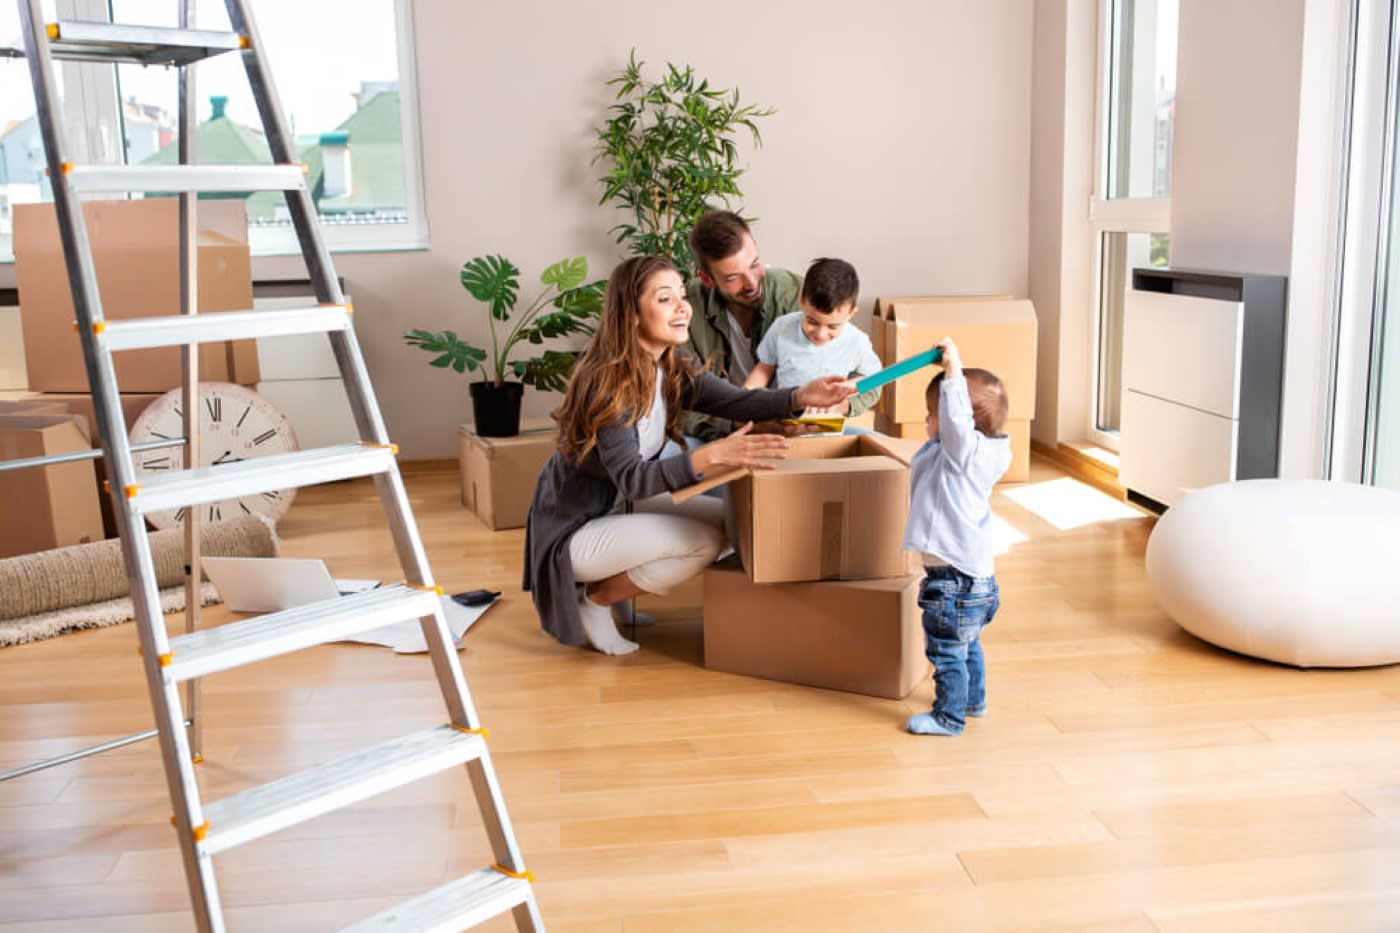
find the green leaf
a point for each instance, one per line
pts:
(548, 372)
(566, 273)
(450, 349)
(494, 280)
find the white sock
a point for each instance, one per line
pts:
(602, 632)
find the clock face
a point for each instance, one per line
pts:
(235, 424)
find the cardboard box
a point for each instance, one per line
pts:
(998, 334)
(46, 507)
(80, 405)
(864, 636)
(135, 246)
(1019, 430)
(498, 473)
(834, 510)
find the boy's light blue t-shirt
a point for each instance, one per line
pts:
(799, 361)
(950, 483)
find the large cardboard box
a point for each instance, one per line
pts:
(498, 473)
(865, 636)
(135, 246)
(834, 510)
(998, 334)
(46, 507)
(80, 405)
(1019, 430)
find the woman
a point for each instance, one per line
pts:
(624, 400)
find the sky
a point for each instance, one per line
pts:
(319, 57)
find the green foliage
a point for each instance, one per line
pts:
(567, 305)
(669, 147)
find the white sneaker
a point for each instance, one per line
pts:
(602, 632)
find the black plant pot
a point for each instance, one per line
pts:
(496, 408)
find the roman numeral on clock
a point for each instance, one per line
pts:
(216, 408)
(265, 436)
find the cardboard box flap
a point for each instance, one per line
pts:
(31, 421)
(804, 449)
(892, 308)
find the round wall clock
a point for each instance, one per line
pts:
(235, 423)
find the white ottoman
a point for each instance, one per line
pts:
(1303, 572)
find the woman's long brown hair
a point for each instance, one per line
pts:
(614, 381)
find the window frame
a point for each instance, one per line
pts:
(93, 131)
(1110, 215)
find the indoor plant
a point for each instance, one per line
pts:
(568, 305)
(670, 151)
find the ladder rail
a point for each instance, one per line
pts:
(189, 367)
(82, 279)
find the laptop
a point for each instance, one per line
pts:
(269, 584)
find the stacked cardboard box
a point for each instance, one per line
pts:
(996, 333)
(45, 507)
(498, 473)
(823, 594)
(135, 248)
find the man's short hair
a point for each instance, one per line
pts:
(990, 402)
(717, 235)
(830, 284)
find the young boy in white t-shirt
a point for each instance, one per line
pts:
(817, 341)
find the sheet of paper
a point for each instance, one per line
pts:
(407, 637)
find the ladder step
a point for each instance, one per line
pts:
(210, 650)
(176, 178)
(179, 329)
(259, 475)
(454, 906)
(80, 41)
(308, 794)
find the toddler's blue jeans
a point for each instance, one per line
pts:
(956, 609)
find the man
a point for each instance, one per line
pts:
(733, 300)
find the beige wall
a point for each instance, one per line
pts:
(901, 142)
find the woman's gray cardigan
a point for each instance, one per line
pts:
(569, 495)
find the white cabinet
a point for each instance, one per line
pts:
(1202, 381)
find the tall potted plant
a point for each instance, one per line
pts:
(567, 305)
(670, 153)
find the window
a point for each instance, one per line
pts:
(1131, 213)
(345, 85)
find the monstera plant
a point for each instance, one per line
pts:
(568, 304)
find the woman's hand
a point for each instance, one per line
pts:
(742, 448)
(824, 392)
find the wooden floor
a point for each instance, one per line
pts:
(1127, 777)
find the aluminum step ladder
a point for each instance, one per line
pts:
(206, 828)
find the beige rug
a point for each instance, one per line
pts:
(45, 594)
(92, 615)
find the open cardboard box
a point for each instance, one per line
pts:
(834, 510)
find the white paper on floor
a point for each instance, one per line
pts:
(407, 637)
